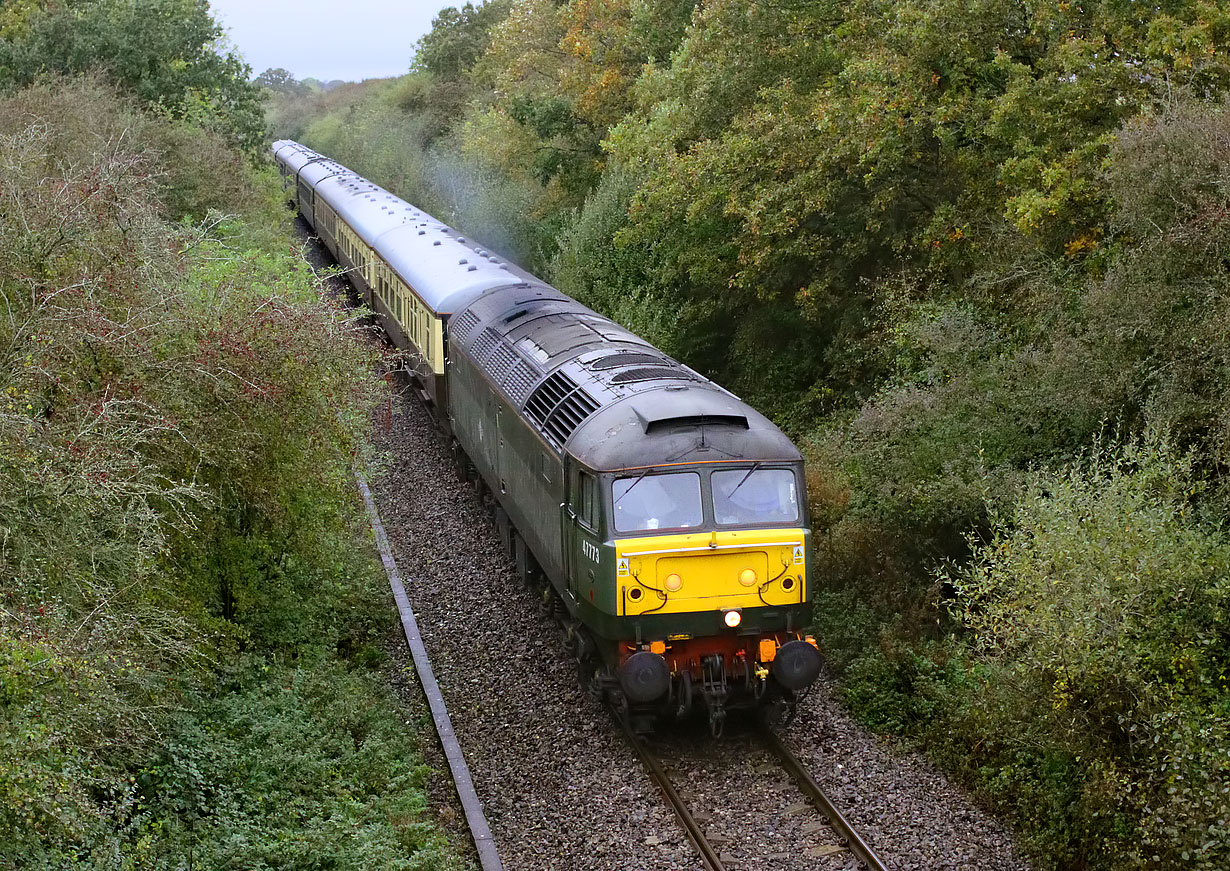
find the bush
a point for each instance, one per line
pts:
(180, 408)
(164, 53)
(274, 772)
(1099, 607)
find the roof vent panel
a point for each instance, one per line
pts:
(462, 325)
(650, 373)
(614, 361)
(559, 405)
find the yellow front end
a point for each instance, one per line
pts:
(706, 571)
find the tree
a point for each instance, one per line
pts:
(457, 39)
(280, 81)
(169, 53)
(801, 158)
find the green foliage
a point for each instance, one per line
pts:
(273, 772)
(164, 53)
(281, 81)
(458, 38)
(180, 409)
(804, 158)
(594, 268)
(1099, 607)
(957, 243)
(981, 391)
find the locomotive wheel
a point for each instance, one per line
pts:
(773, 713)
(527, 567)
(590, 677)
(683, 706)
(569, 632)
(461, 463)
(546, 601)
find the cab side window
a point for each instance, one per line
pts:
(586, 500)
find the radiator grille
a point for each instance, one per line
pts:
(559, 406)
(461, 326)
(505, 366)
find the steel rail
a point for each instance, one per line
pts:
(854, 842)
(690, 826)
(484, 842)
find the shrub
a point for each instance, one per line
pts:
(179, 414)
(274, 772)
(1100, 606)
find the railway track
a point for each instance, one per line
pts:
(476, 821)
(739, 813)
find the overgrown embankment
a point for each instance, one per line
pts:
(191, 616)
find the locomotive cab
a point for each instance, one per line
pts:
(711, 539)
(693, 572)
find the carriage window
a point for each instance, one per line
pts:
(644, 502)
(755, 496)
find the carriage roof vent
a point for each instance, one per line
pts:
(559, 405)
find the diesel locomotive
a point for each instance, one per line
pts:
(663, 520)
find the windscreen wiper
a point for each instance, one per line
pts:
(640, 478)
(742, 481)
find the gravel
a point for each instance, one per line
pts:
(905, 809)
(559, 786)
(751, 811)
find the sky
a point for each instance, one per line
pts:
(350, 40)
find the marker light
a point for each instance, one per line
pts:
(673, 583)
(747, 577)
(732, 618)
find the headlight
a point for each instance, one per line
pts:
(673, 583)
(732, 618)
(747, 577)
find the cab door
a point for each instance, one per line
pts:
(581, 551)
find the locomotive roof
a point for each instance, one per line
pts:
(588, 384)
